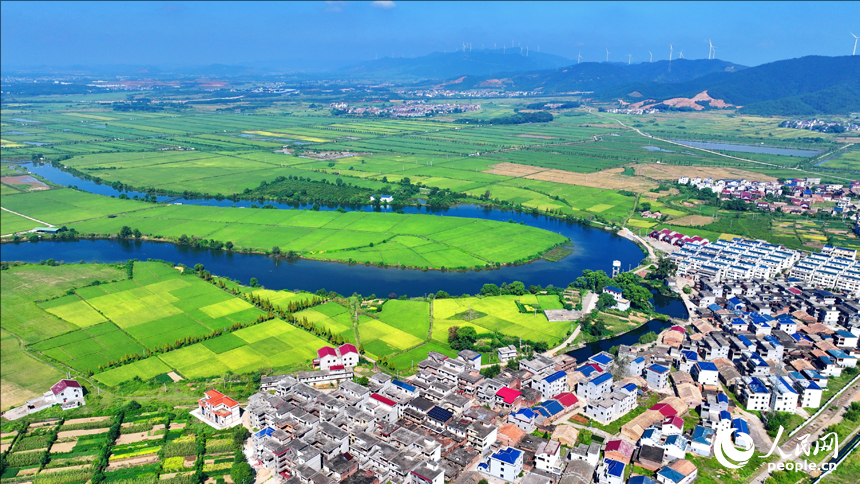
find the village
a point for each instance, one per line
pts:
(794, 196)
(754, 347)
(408, 109)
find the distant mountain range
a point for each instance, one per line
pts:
(802, 86)
(445, 65)
(592, 76)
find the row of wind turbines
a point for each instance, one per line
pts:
(712, 51)
(712, 54)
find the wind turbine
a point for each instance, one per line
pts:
(579, 58)
(629, 56)
(607, 55)
(651, 56)
(671, 47)
(681, 54)
(710, 49)
(854, 52)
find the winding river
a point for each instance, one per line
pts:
(594, 249)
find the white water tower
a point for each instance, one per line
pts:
(616, 267)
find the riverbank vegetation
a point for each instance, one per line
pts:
(386, 239)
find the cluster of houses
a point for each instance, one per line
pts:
(795, 196)
(819, 125)
(476, 93)
(772, 345)
(775, 344)
(633, 110)
(448, 418)
(741, 259)
(833, 267)
(676, 238)
(410, 109)
(733, 259)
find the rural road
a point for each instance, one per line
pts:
(564, 344)
(589, 302)
(628, 234)
(717, 153)
(832, 413)
(22, 215)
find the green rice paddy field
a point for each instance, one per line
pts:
(83, 326)
(101, 323)
(390, 238)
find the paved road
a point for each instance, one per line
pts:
(628, 234)
(717, 153)
(564, 344)
(22, 215)
(589, 302)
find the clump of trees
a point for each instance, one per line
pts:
(631, 286)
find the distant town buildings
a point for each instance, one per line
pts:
(819, 125)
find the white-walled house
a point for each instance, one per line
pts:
(506, 464)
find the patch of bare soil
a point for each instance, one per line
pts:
(44, 423)
(85, 420)
(27, 472)
(63, 447)
(177, 425)
(133, 462)
(673, 172)
(611, 178)
(132, 438)
(24, 181)
(78, 433)
(67, 468)
(692, 220)
(695, 100)
(174, 376)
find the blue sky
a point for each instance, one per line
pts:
(316, 34)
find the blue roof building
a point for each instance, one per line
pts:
(405, 386)
(640, 480)
(509, 455)
(601, 359)
(555, 376)
(586, 370)
(741, 425)
(505, 464)
(670, 475)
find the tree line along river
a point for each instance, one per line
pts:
(594, 249)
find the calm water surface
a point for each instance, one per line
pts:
(593, 249)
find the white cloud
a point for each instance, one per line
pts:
(383, 4)
(334, 6)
